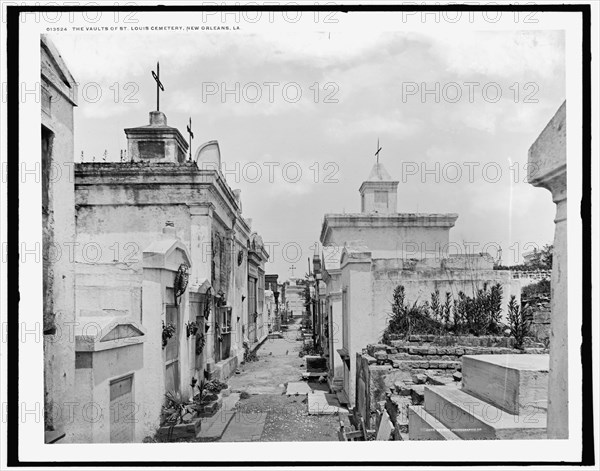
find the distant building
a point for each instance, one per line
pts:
(294, 296)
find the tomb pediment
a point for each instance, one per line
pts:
(97, 333)
(166, 254)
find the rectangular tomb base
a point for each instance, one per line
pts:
(516, 383)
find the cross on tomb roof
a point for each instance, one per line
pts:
(159, 85)
(378, 150)
(190, 132)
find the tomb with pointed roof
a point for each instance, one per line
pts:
(379, 225)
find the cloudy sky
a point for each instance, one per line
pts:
(490, 95)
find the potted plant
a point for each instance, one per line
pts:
(191, 328)
(167, 332)
(178, 418)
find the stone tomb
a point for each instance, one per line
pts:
(493, 403)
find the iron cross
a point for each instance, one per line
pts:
(378, 150)
(189, 130)
(159, 85)
(292, 268)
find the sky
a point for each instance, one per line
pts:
(454, 114)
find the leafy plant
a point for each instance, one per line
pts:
(541, 289)
(250, 355)
(519, 322)
(310, 349)
(216, 386)
(167, 332)
(200, 342)
(174, 411)
(191, 328)
(435, 305)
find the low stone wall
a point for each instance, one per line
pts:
(441, 352)
(460, 340)
(222, 370)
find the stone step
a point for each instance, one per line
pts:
(424, 426)
(213, 428)
(516, 383)
(342, 397)
(474, 419)
(322, 403)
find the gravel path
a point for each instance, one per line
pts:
(288, 420)
(264, 382)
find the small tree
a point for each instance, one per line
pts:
(495, 309)
(447, 311)
(436, 306)
(519, 322)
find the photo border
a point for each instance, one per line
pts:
(12, 41)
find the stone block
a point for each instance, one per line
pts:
(424, 426)
(438, 379)
(432, 351)
(403, 389)
(535, 351)
(417, 394)
(370, 360)
(515, 383)
(419, 378)
(444, 365)
(400, 356)
(381, 356)
(473, 419)
(457, 376)
(372, 348)
(396, 407)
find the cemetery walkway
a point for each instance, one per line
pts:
(259, 408)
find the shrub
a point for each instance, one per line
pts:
(537, 290)
(216, 386)
(477, 315)
(407, 320)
